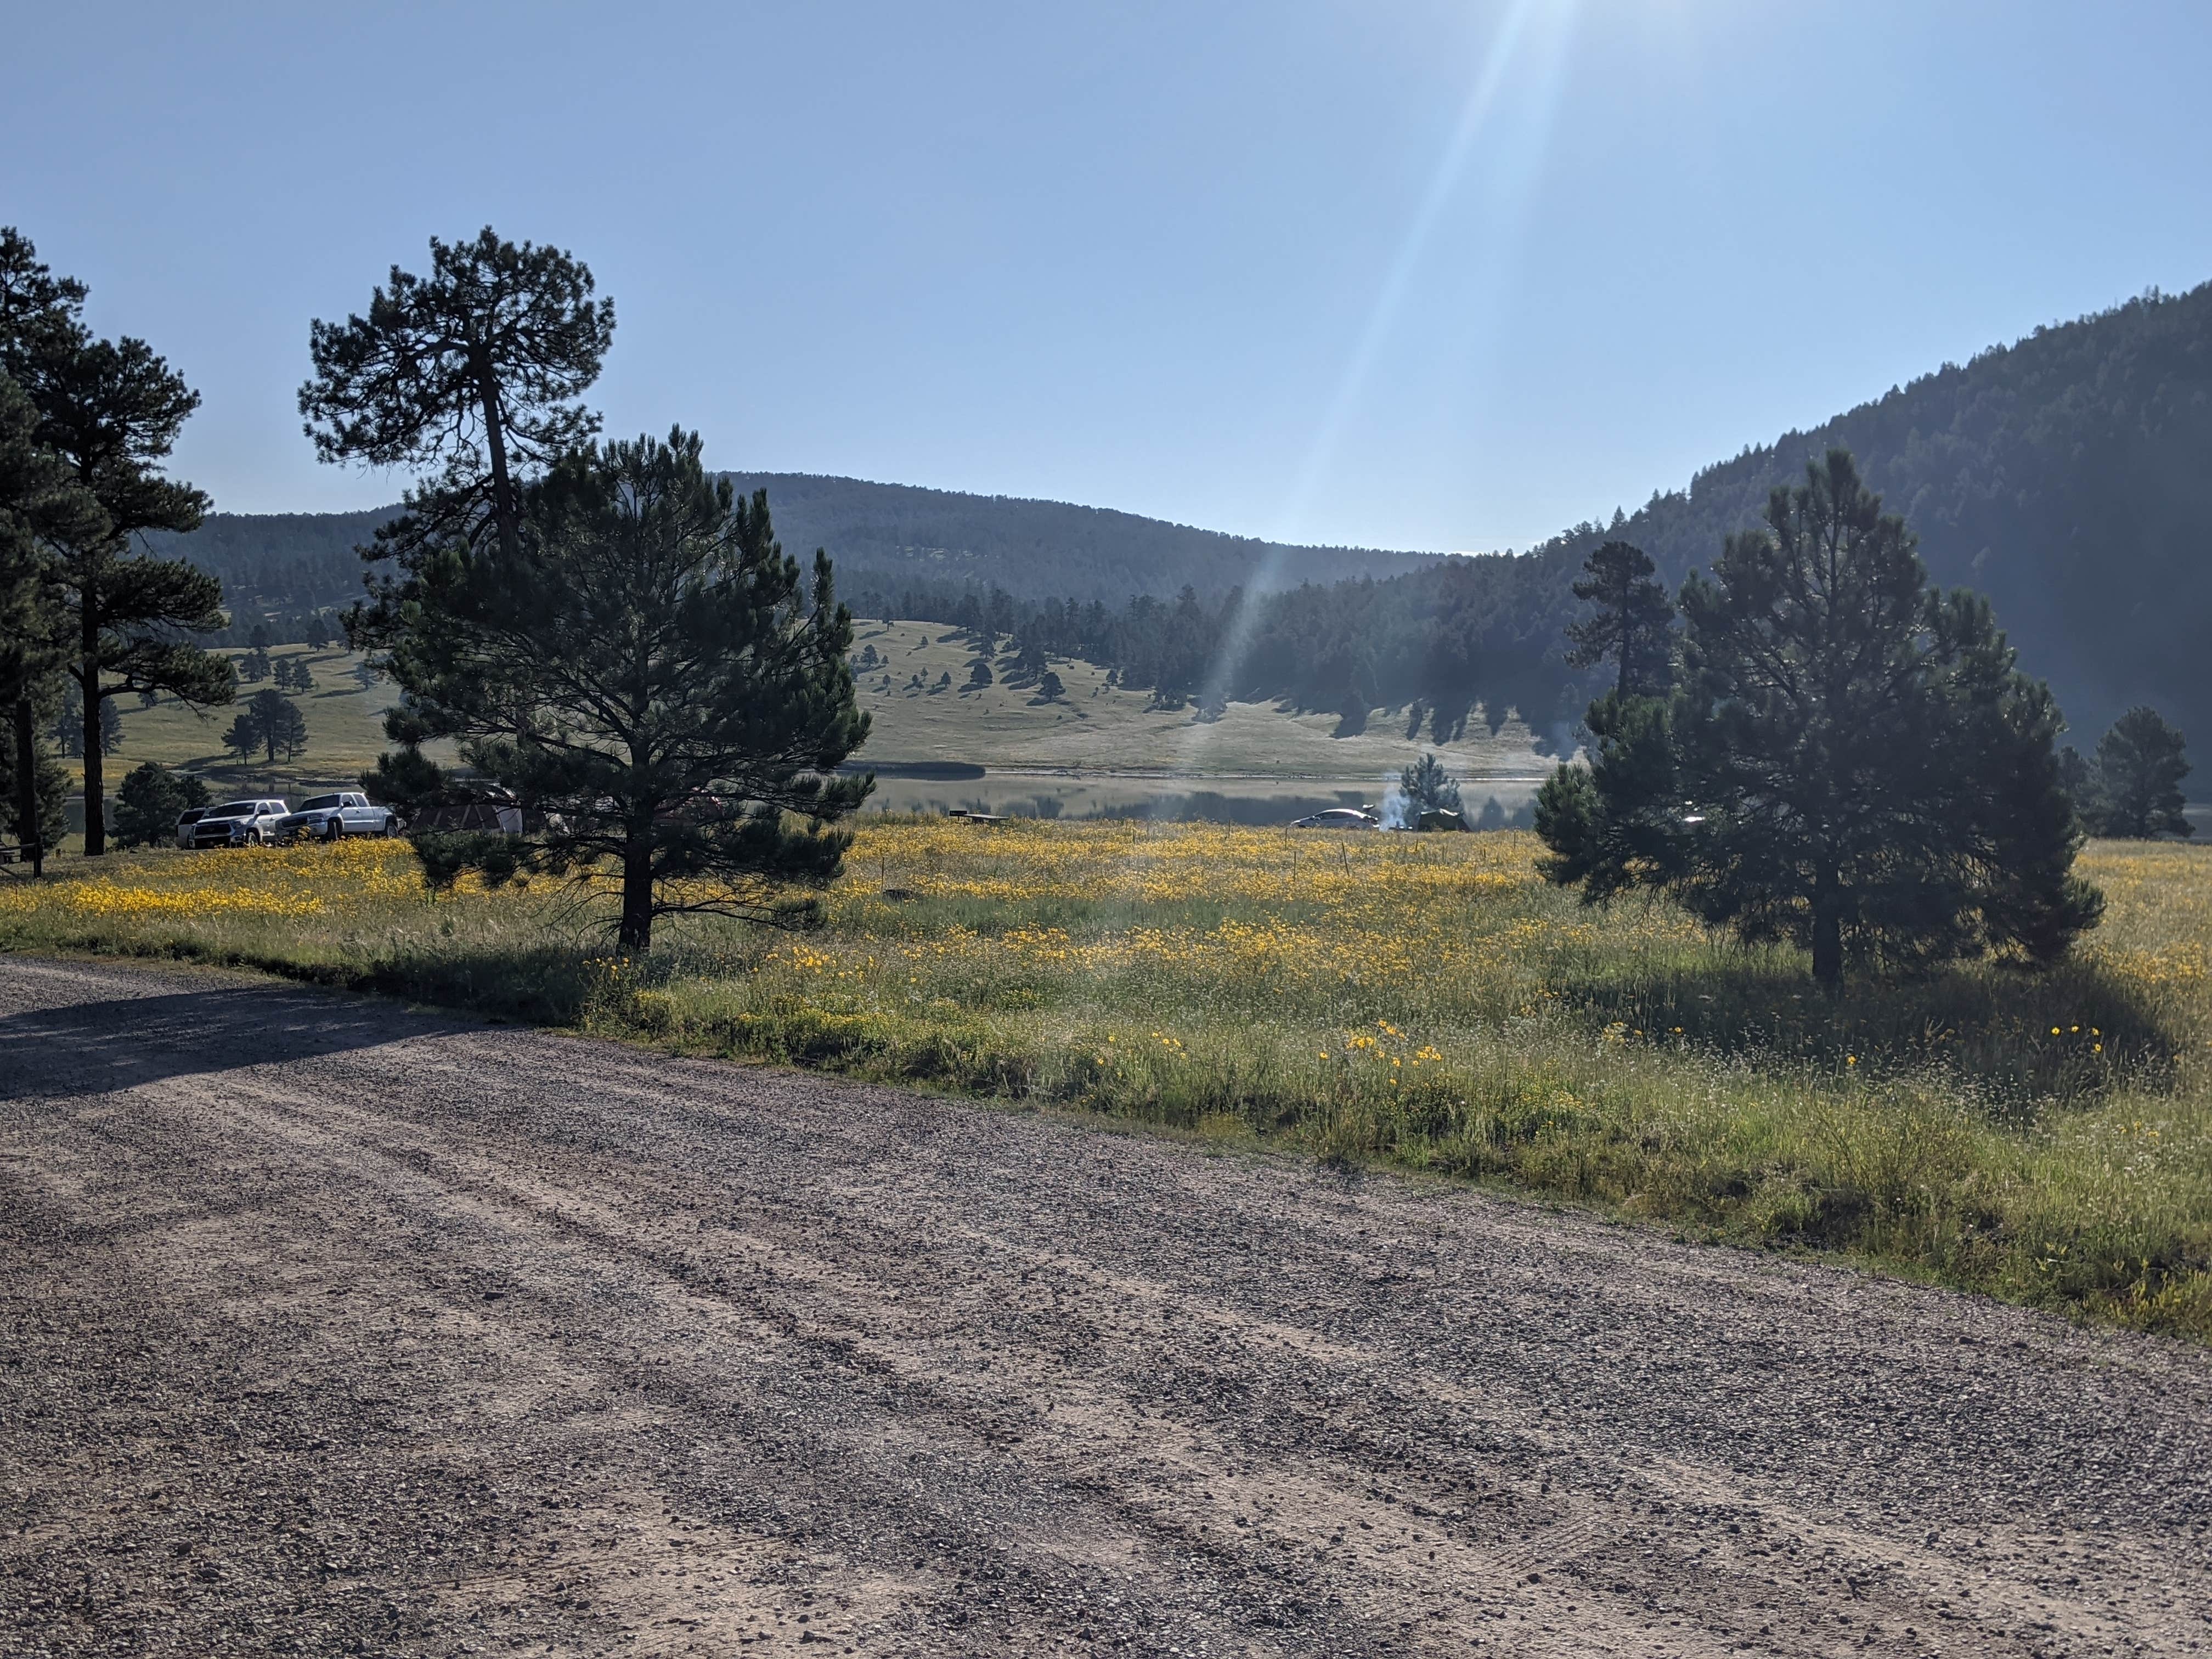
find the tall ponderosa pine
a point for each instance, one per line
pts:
(42, 507)
(2140, 766)
(647, 677)
(1851, 761)
(110, 410)
(39, 508)
(472, 371)
(1632, 625)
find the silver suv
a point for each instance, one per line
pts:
(237, 823)
(333, 818)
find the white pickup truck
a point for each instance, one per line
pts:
(333, 818)
(233, 824)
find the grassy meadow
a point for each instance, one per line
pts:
(1097, 727)
(1092, 727)
(345, 731)
(1422, 1000)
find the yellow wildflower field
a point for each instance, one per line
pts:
(1422, 999)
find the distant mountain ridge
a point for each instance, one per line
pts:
(2068, 476)
(881, 536)
(1037, 548)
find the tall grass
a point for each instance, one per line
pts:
(1422, 1000)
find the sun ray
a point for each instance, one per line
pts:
(1531, 39)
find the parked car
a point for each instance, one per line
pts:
(333, 818)
(1337, 817)
(185, 820)
(239, 823)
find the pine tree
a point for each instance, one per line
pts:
(42, 507)
(470, 373)
(647, 678)
(277, 723)
(2140, 766)
(243, 737)
(1428, 788)
(1852, 763)
(1633, 623)
(110, 410)
(150, 800)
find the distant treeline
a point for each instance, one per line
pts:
(279, 568)
(1465, 638)
(2066, 476)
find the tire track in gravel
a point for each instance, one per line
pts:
(332, 1326)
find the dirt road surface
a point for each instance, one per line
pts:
(327, 1327)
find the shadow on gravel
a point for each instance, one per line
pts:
(98, 1047)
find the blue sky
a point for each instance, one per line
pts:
(1378, 271)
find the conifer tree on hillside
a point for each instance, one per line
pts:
(1851, 761)
(2140, 766)
(649, 677)
(470, 374)
(1631, 624)
(243, 736)
(277, 724)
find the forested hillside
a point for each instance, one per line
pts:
(889, 533)
(2068, 477)
(277, 568)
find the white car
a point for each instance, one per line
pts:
(1337, 817)
(333, 818)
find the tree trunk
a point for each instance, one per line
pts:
(1827, 931)
(96, 777)
(26, 789)
(637, 894)
(502, 489)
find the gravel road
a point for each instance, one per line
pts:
(327, 1327)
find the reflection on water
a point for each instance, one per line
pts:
(1492, 803)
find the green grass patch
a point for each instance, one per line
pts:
(1415, 1001)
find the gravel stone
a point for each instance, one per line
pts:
(328, 1326)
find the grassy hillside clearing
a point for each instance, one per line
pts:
(345, 731)
(1420, 999)
(1092, 728)
(1095, 727)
